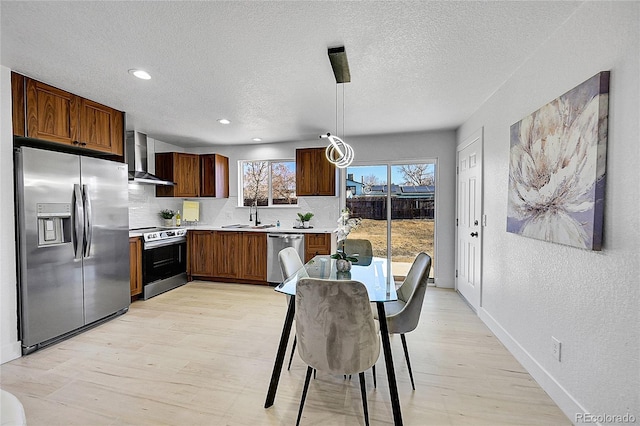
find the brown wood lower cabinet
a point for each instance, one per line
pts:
(135, 265)
(315, 244)
(254, 256)
(200, 253)
(228, 256)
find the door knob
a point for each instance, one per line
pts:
(474, 234)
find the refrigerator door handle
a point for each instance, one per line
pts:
(78, 215)
(88, 222)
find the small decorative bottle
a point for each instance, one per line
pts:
(178, 221)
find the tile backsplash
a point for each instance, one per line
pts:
(144, 209)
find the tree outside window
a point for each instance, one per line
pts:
(269, 183)
(283, 182)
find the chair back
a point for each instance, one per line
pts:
(411, 292)
(335, 327)
(290, 261)
(361, 247)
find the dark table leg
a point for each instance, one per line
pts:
(388, 360)
(282, 349)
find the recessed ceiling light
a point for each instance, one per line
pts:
(143, 75)
(224, 121)
(256, 140)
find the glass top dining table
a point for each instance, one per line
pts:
(375, 274)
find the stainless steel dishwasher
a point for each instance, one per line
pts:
(275, 243)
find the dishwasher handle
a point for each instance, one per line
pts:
(293, 237)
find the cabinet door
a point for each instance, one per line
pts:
(96, 126)
(304, 172)
(214, 176)
(315, 244)
(325, 173)
(181, 168)
(135, 265)
(17, 99)
(200, 253)
(187, 175)
(315, 175)
(52, 114)
(117, 133)
(226, 254)
(254, 252)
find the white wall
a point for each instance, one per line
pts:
(10, 347)
(533, 290)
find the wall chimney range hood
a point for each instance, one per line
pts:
(136, 156)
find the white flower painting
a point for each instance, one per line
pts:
(557, 168)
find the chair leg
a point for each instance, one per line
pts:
(406, 356)
(304, 394)
(375, 384)
(363, 392)
(293, 350)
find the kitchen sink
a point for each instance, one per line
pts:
(270, 225)
(235, 226)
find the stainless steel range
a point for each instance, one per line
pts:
(164, 260)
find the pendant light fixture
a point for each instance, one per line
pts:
(338, 151)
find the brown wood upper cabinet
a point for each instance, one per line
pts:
(101, 127)
(181, 168)
(315, 175)
(58, 116)
(205, 175)
(214, 176)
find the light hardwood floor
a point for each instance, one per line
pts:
(202, 354)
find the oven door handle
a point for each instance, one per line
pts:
(162, 243)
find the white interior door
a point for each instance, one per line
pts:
(469, 220)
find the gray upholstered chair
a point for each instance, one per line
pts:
(290, 262)
(359, 247)
(403, 314)
(336, 331)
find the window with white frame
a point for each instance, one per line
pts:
(268, 183)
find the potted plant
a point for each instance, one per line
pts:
(305, 218)
(167, 216)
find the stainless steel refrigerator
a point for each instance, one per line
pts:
(72, 243)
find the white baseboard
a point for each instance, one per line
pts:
(569, 406)
(10, 351)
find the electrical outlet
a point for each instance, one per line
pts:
(557, 348)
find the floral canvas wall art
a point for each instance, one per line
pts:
(557, 168)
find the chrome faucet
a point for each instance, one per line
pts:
(251, 217)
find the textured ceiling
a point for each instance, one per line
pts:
(415, 66)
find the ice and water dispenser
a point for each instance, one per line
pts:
(54, 223)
